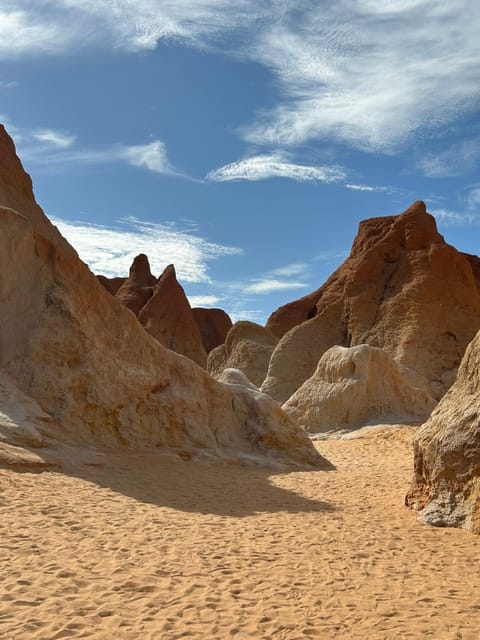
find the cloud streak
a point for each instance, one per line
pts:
(110, 250)
(372, 81)
(55, 138)
(277, 165)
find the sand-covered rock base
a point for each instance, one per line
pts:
(132, 546)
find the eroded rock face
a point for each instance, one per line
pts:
(90, 366)
(214, 324)
(137, 289)
(248, 347)
(353, 387)
(161, 307)
(402, 289)
(446, 482)
(167, 316)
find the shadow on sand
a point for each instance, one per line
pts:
(195, 487)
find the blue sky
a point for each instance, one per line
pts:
(243, 140)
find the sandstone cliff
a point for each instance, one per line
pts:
(446, 483)
(402, 289)
(90, 366)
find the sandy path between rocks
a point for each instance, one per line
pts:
(139, 549)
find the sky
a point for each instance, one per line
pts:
(243, 140)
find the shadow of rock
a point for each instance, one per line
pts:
(165, 480)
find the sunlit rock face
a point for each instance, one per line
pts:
(353, 387)
(402, 289)
(446, 482)
(87, 363)
(248, 347)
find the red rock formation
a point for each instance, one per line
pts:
(161, 306)
(112, 285)
(138, 287)
(214, 324)
(446, 483)
(402, 289)
(167, 316)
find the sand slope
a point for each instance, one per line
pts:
(145, 548)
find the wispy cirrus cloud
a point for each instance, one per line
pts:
(454, 161)
(280, 165)
(55, 138)
(270, 285)
(204, 300)
(8, 84)
(110, 250)
(50, 148)
(276, 165)
(389, 71)
(449, 218)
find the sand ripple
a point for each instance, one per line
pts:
(139, 548)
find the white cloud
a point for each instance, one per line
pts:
(274, 165)
(55, 138)
(29, 31)
(368, 72)
(8, 84)
(270, 285)
(290, 270)
(366, 187)
(204, 301)
(279, 165)
(451, 162)
(473, 198)
(151, 156)
(110, 251)
(449, 218)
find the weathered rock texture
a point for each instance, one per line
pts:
(355, 386)
(446, 483)
(402, 289)
(248, 347)
(214, 324)
(138, 287)
(90, 366)
(167, 316)
(161, 307)
(235, 376)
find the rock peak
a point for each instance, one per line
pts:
(140, 269)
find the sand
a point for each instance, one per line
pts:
(139, 548)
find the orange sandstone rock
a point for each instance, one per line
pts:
(402, 289)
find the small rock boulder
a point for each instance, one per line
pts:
(355, 386)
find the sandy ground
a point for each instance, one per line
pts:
(134, 549)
